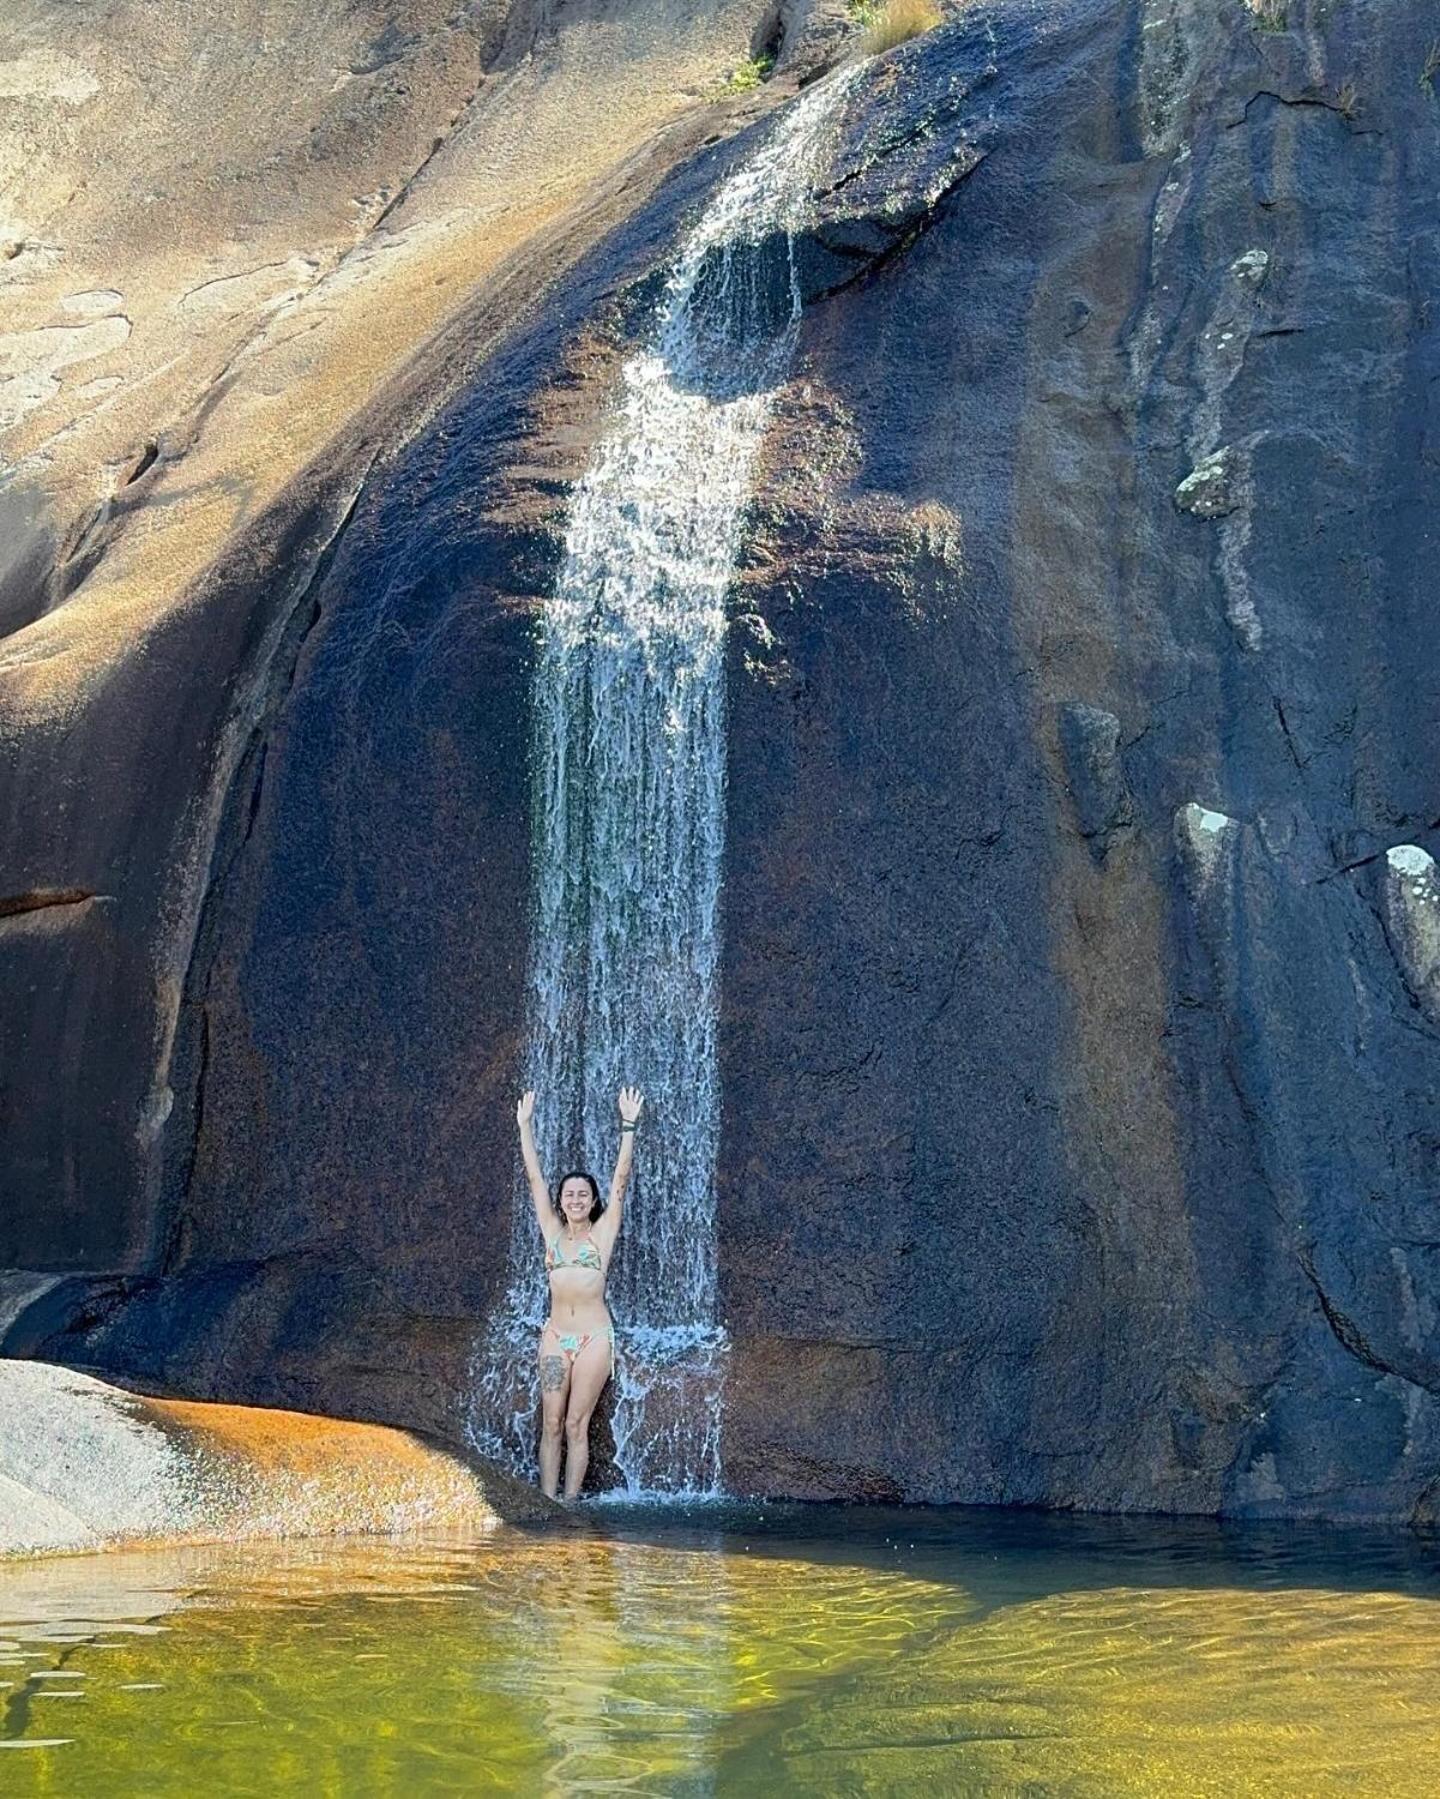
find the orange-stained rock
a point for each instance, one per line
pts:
(84, 1465)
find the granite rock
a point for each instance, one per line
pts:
(1046, 1176)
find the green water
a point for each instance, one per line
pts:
(802, 1651)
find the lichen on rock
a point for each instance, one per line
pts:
(1202, 834)
(1209, 490)
(1411, 902)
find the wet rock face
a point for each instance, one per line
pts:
(1078, 1036)
(894, 167)
(1079, 1146)
(201, 366)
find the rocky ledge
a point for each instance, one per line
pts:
(84, 1465)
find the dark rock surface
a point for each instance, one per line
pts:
(1079, 1043)
(897, 162)
(1090, 745)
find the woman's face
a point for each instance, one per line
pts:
(576, 1200)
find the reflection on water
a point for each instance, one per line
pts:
(794, 1651)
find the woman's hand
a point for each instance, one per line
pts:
(607, 1226)
(525, 1111)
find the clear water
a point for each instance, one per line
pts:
(803, 1651)
(629, 809)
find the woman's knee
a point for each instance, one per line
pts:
(552, 1426)
(577, 1426)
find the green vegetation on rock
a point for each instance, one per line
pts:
(890, 22)
(1270, 15)
(749, 74)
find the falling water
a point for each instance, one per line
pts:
(629, 759)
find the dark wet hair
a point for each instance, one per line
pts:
(579, 1174)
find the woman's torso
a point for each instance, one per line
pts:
(577, 1283)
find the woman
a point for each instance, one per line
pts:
(577, 1345)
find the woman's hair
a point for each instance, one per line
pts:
(579, 1174)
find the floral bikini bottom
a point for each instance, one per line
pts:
(570, 1344)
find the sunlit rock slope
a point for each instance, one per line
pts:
(86, 1466)
(1080, 1028)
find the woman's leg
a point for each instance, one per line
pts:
(587, 1382)
(554, 1392)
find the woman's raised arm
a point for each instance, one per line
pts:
(607, 1227)
(539, 1192)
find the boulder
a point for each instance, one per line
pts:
(85, 1465)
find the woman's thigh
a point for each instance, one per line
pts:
(589, 1375)
(554, 1383)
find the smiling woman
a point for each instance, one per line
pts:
(577, 1345)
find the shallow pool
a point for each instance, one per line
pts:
(798, 1650)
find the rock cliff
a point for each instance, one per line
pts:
(1079, 1033)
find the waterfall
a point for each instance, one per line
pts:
(629, 816)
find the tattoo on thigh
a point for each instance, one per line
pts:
(552, 1373)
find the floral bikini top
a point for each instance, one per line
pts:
(586, 1255)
